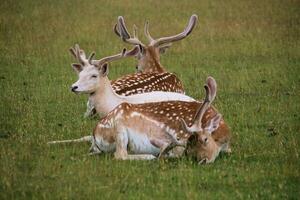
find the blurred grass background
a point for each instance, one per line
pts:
(250, 47)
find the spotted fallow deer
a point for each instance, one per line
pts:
(149, 55)
(173, 128)
(93, 80)
(154, 77)
(129, 84)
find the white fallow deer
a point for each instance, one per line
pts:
(149, 55)
(93, 80)
(129, 84)
(173, 128)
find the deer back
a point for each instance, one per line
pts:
(165, 115)
(147, 82)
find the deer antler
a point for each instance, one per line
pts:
(133, 52)
(121, 30)
(91, 57)
(210, 94)
(147, 34)
(117, 32)
(79, 54)
(110, 58)
(180, 36)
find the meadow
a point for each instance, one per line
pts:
(251, 48)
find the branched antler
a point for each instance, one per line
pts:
(210, 94)
(80, 55)
(121, 30)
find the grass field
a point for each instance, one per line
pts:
(250, 47)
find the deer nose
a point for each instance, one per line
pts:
(73, 88)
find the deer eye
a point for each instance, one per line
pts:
(94, 76)
(205, 140)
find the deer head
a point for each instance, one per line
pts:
(201, 143)
(91, 72)
(149, 55)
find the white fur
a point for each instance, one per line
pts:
(105, 99)
(139, 143)
(137, 114)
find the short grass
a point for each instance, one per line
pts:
(250, 47)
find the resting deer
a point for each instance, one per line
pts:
(93, 80)
(145, 131)
(129, 84)
(149, 55)
(151, 80)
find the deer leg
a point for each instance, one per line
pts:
(226, 148)
(121, 145)
(163, 146)
(165, 149)
(171, 143)
(125, 156)
(139, 157)
(176, 152)
(171, 150)
(94, 149)
(121, 149)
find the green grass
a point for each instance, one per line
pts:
(250, 47)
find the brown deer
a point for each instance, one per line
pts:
(147, 131)
(149, 55)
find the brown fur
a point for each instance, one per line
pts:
(106, 133)
(147, 82)
(168, 113)
(151, 61)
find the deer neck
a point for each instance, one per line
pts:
(105, 99)
(157, 68)
(153, 61)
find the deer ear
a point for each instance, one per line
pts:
(104, 69)
(163, 48)
(77, 67)
(213, 123)
(133, 52)
(142, 50)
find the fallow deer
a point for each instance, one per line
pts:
(154, 78)
(147, 131)
(129, 84)
(149, 55)
(93, 80)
